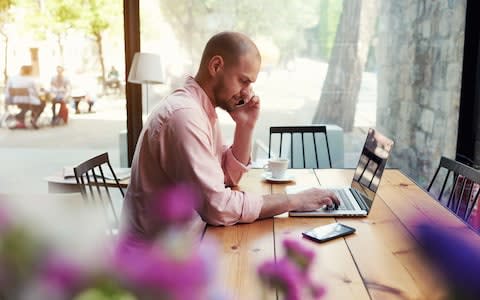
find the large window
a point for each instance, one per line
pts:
(386, 64)
(86, 39)
(392, 65)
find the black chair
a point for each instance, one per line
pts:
(300, 133)
(459, 187)
(91, 177)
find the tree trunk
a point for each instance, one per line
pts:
(35, 62)
(98, 40)
(349, 54)
(60, 48)
(5, 59)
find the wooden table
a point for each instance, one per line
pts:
(381, 260)
(58, 184)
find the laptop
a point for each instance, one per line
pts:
(357, 200)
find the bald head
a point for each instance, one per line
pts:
(230, 46)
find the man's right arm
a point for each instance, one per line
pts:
(307, 200)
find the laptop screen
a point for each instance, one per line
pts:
(371, 164)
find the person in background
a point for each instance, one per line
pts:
(60, 88)
(181, 142)
(23, 91)
(113, 78)
(84, 88)
(89, 98)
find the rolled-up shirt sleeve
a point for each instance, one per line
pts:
(232, 168)
(191, 141)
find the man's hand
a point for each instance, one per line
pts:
(312, 199)
(247, 114)
(307, 200)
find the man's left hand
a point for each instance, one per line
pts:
(247, 114)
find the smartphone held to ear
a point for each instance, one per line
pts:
(241, 103)
(328, 232)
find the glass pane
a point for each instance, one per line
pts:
(389, 65)
(89, 99)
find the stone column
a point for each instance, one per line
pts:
(419, 57)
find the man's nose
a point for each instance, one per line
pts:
(246, 91)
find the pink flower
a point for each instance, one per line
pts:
(298, 254)
(317, 290)
(290, 274)
(283, 275)
(174, 205)
(60, 275)
(148, 267)
(455, 257)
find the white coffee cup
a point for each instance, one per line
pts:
(278, 167)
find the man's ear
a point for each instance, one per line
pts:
(215, 65)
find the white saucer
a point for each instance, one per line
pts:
(286, 178)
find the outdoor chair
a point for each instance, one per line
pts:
(96, 189)
(305, 145)
(462, 187)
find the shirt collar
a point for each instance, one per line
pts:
(193, 87)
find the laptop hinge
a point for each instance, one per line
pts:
(359, 199)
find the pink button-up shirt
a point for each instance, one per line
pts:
(182, 142)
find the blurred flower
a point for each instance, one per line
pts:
(169, 266)
(290, 274)
(456, 258)
(151, 268)
(298, 254)
(174, 205)
(284, 276)
(59, 275)
(20, 256)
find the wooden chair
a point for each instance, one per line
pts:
(95, 187)
(302, 134)
(462, 197)
(23, 92)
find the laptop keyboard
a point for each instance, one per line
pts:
(345, 203)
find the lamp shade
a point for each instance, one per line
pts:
(146, 68)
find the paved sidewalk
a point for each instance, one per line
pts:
(28, 155)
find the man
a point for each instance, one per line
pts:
(23, 91)
(60, 88)
(181, 142)
(113, 80)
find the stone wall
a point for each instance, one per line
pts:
(419, 57)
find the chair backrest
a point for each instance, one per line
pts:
(462, 194)
(94, 186)
(18, 92)
(306, 138)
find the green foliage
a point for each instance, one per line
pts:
(282, 21)
(6, 4)
(323, 34)
(18, 253)
(100, 15)
(61, 15)
(105, 288)
(5, 15)
(40, 18)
